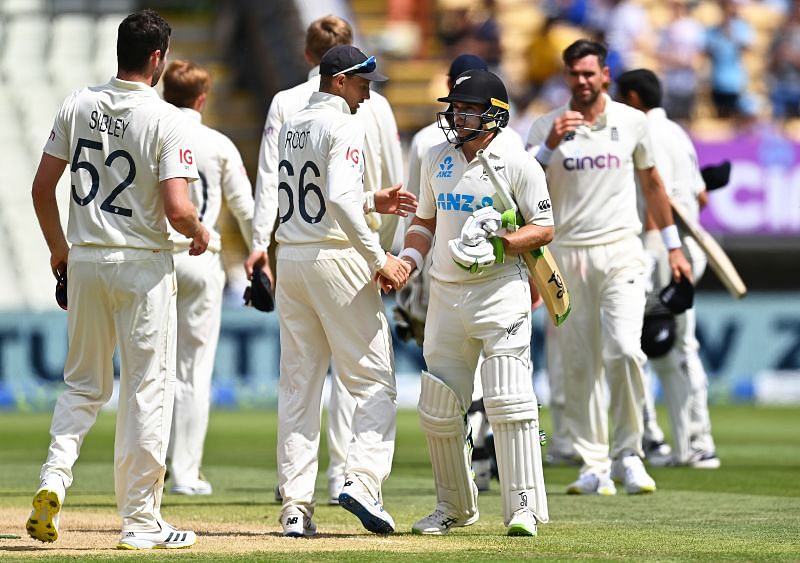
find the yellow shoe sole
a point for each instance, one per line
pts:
(46, 507)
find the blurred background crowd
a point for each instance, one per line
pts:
(730, 68)
(731, 71)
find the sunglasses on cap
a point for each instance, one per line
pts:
(368, 65)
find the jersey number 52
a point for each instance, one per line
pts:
(303, 190)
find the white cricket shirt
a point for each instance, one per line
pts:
(591, 174)
(425, 139)
(383, 166)
(222, 174)
(451, 189)
(120, 140)
(676, 161)
(320, 180)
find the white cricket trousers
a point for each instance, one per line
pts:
(126, 298)
(681, 371)
(600, 349)
(201, 280)
(466, 319)
(341, 406)
(328, 306)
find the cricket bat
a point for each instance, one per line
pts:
(717, 258)
(541, 263)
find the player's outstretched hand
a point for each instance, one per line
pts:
(199, 242)
(679, 265)
(395, 201)
(393, 275)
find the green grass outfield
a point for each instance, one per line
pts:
(747, 510)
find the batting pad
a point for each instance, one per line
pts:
(442, 420)
(514, 414)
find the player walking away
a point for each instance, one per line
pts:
(382, 161)
(201, 280)
(681, 371)
(130, 161)
(590, 148)
(473, 312)
(412, 301)
(327, 302)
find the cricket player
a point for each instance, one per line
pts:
(412, 301)
(382, 162)
(476, 311)
(130, 161)
(327, 302)
(590, 148)
(681, 372)
(201, 280)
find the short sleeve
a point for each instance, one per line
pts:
(58, 142)
(176, 158)
(529, 186)
(426, 206)
(643, 156)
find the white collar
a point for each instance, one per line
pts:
(329, 100)
(192, 114)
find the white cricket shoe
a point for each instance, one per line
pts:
(591, 483)
(335, 485)
(658, 454)
(630, 472)
(198, 488)
(42, 524)
(168, 537)
(701, 459)
(296, 524)
(358, 499)
(440, 522)
(522, 523)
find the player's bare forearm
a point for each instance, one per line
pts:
(419, 237)
(656, 197)
(43, 194)
(178, 208)
(527, 238)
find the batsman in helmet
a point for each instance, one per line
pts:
(479, 306)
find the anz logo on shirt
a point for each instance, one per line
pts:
(446, 168)
(460, 202)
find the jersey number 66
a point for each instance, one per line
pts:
(303, 190)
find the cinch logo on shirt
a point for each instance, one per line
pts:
(591, 162)
(460, 202)
(446, 168)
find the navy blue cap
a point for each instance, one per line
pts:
(465, 62)
(349, 60)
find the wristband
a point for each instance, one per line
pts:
(420, 230)
(369, 202)
(415, 255)
(544, 155)
(671, 237)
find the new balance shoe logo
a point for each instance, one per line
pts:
(292, 520)
(348, 483)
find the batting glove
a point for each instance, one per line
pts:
(476, 258)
